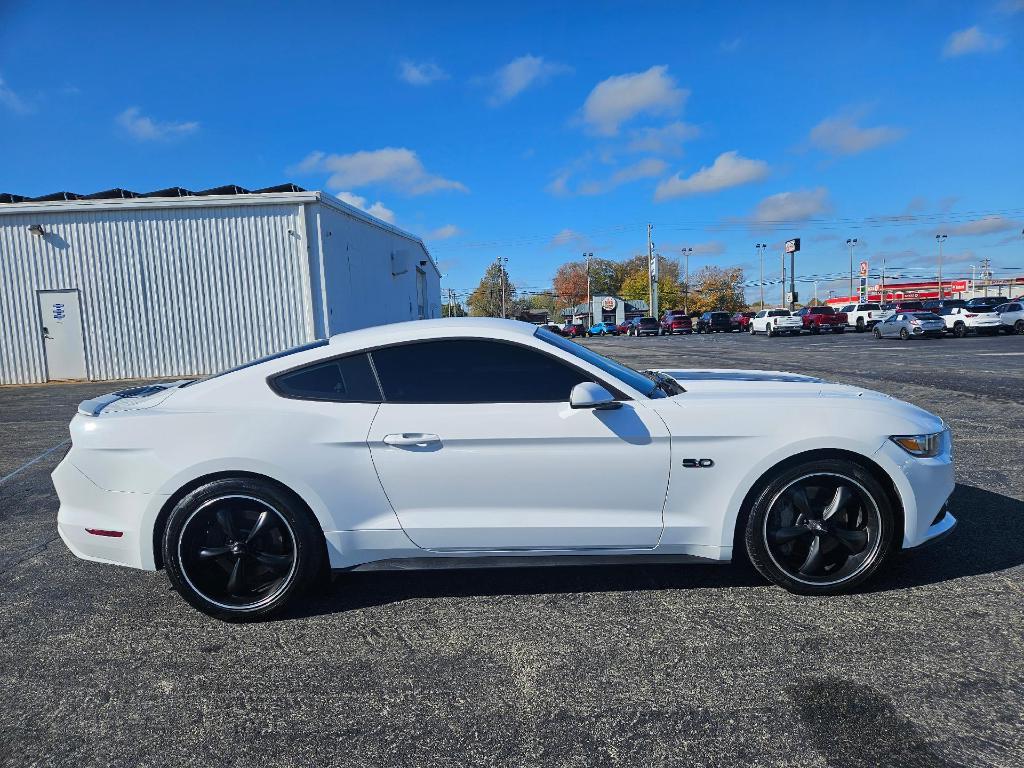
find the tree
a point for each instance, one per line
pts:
(454, 309)
(635, 286)
(486, 300)
(570, 283)
(717, 288)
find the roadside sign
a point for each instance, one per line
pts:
(792, 246)
(792, 298)
(608, 303)
(863, 269)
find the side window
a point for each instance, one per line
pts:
(342, 380)
(472, 371)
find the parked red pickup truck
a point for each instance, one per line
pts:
(824, 318)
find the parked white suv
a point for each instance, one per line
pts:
(962, 320)
(1011, 317)
(863, 317)
(775, 321)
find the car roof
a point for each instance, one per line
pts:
(417, 330)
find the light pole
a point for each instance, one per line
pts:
(852, 242)
(588, 257)
(686, 279)
(940, 239)
(761, 248)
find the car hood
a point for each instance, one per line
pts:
(740, 391)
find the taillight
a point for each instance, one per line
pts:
(915, 322)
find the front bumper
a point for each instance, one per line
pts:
(924, 487)
(85, 507)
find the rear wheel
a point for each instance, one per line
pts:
(241, 549)
(959, 330)
(904, 334)
(860, 325)
(820, 528)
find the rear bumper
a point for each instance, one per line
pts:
(85, 507)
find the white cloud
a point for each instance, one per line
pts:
(443, 233)
(376, 209)
(396, 167)
(421, 73)
(13, 101)
(623, 97)
(972, 40)
(730, 169)
(567, 237)
(710, 248)
(841, 135)
(147, 129)
(731, 46)
(520, 74)
(985, 226)
(559, 186)
(1010, 7)
(792, 206)
(643, 169)
(666, 140)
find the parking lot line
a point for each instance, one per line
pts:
(998, 354)
(28, 464)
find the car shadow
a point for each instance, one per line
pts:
(986, 539)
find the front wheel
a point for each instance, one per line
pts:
(241, 549)
(1018, 328)
(752, 331)
(820, 528)
(878, 333)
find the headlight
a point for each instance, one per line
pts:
(924, 446)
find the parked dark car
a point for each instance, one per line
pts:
(715, 322)
(676, 321)
(823, 318)
(907, 305)
(985, 302)
(574, 330)
(741, 320)
(644, 326)
(932, 305)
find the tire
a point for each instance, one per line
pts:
(792, 543)
(878, 333)
(959, 330)
(904, 334)
(860, 325)
(287, 548)
(815, 329)
(771, 331)
(751, 330)
(1018, 328)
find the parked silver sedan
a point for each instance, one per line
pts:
(909, 325)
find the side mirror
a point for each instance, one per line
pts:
(591, 395)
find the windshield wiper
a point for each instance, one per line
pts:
(666, 384)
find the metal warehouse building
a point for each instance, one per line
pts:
(118, 284)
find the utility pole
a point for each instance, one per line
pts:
(652, 288)
(761, 248)
(986, 273)
(782, 291)
(940, 239)
(590, 318)
(852, 242)
(882, 297)
(686, 279)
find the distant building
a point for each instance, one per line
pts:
(607, 309)
(119, 284)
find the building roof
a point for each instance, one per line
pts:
(117, 192)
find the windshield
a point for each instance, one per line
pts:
(926, 316)
(635, 379)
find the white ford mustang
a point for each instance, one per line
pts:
(448, 443)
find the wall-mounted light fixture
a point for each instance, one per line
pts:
(36, 229)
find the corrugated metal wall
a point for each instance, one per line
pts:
(163, 291)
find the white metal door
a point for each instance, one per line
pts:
(523, 476)
(61, 326)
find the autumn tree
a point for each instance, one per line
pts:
(635, 286)
(486, 300)
(717, 288)
(570, 283)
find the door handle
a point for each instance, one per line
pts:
(411, 438)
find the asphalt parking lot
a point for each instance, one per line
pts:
(639, 665)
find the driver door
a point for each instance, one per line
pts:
(477, 449)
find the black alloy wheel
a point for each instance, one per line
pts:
(1018, 328)
(959, 330)
(240, 549)
(904, 334)
(878, 333)
(860, 325)
(820, 528)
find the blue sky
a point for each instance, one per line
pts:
(536, 132)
